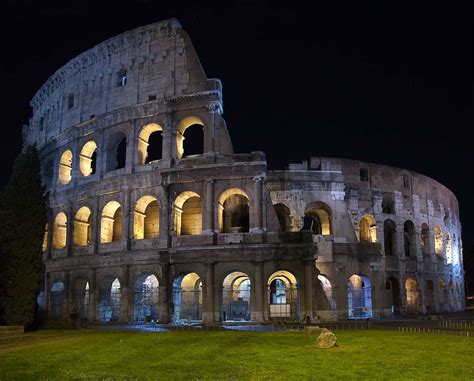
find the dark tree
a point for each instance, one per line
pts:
(23, 217)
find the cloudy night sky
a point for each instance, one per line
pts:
(387, 85)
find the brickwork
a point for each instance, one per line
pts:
(308, 242)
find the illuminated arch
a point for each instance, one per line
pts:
(111, 222)
(412, 294)
(187, 210)
(44, 247)
(359, 297)
(283, 295)
(65, 167)
(87, 158)
(146, 298)
(57, 300)
(82, 227)
(60, 231)
(187, 298)
(147, 218)
(438, 234)
(318, 218)
(236, 294)
(367, 229)
(183, 125)
(149, 152)
(110, 295)
(233, 211)
(80, 298)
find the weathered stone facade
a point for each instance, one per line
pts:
(140, 230)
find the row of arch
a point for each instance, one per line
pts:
(233, 217)
(441, 242)
(235, 297)
(189, 142)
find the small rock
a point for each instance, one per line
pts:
(326, 340)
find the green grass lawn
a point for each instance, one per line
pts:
(114, 355)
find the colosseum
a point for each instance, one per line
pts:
(154, 218)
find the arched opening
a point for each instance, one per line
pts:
(147, 218)
(236, 290)
(116, 152)
(430, 297)
(442, 295)
(233, 213)
(390, 237)
(188, 214)
(187, 298)
(150, 144)
(359, 297)
(413, 295)
(425, 239)
(57, 300)
(449, 253)
(451, 295)
(367, 229)
(44, 247)
(283, 296)
(317, 218)
(65, 168)
(409, 238)
(327, 288)
(111, 223)
(110, 299)
(82, 227)
(438, 240)
(88, 158)
(60, 231)
(393, 287)
(190, 137)
(388, 203)
(283, 214)
(146, 291)
(80, 299)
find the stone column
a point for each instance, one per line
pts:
(209, 305)
(69, 230)
(308, 289)
(258, 293)
(50, 234)
(93, 295)
(257, 213)
(167, 148)
(208, 217)
(67, 296)
(47, 295)
(165, 294)
(96, 226)
(124, 295)
(127, 212)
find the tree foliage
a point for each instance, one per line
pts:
(23, 217)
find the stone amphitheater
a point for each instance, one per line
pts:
(154, 218)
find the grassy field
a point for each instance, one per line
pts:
(113, 355)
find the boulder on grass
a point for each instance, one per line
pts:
(326, 340)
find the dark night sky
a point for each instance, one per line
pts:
(386, 84)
